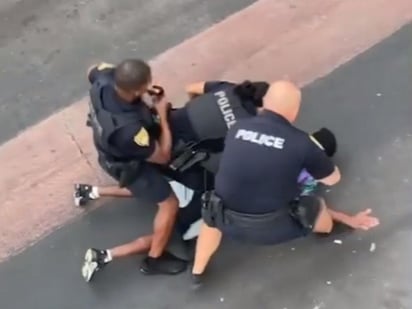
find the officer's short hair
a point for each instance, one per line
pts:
(327, 139)
(132, 74)
(253, 91)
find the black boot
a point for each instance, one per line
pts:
(166, 264)
(197, 281)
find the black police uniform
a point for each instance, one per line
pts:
(207, 118)
(258, 174)
(125, 133)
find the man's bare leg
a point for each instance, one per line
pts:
(137, 246)
(84, 193)
(158, 261)
(207, 244)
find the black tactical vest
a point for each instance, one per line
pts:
(212, 114)
(105, 123)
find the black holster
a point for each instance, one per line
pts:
(125, 172)
(212, 209)
(299, 214)
(187, 156)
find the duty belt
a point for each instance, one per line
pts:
(215, 214)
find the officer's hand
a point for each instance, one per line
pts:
(162, 107)
(363, 220)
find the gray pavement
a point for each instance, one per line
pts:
(46, 46)
(367, 102)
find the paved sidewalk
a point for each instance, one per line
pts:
(367, 102)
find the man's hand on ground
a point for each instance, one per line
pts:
(363, 220)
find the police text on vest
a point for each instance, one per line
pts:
(260, 138)
(225, 108)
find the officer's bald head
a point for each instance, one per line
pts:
(283, 97)
(133, 75)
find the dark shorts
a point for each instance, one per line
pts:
(152, 183)
(287, 227)
(189, 214)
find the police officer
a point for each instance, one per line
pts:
(256, 191)
(214, 107)
(134, 145)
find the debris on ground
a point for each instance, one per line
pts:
(372, 247)
(338, 241)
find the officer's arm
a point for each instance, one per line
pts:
(195, 89)
(163, 147)
(200, 88)
(141, 145)
(159, 155)
(320, 166)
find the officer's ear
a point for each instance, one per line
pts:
(142, 90)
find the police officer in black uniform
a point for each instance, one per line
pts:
(256, 197)
(214, 107)
(134, 146)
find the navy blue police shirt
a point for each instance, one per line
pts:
(180, 122)
(261, 162)
(135, 141)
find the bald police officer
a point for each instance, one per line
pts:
(256, 192)
(134, 147)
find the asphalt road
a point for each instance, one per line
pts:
(367, 102)
(46, 46)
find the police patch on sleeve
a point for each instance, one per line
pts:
(316, 142)
(104, 65)
(142, 138)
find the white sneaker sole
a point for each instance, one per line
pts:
(76, 199)
(89, 267)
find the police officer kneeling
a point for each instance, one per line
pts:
(256, 197)
(214, 107)
(134, 147)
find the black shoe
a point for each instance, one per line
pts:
(94, 260)
(82, 194)
(197, 281)
(166, 264)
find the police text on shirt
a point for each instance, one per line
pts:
(225, 108)
(260, 138)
